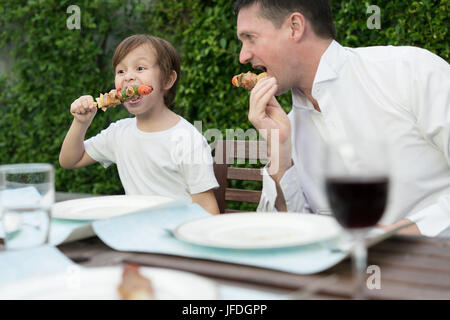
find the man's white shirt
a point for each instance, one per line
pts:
(398, 94)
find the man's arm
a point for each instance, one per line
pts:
(410, 230)
(430, 105)
(269, 118)
(280, 201)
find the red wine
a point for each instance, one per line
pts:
(357, 203)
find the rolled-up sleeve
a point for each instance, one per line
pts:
(433, 219)
(291, 188)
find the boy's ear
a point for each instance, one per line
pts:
(173, 77)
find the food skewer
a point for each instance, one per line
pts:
(247, 80)
(134, 285)
(115, 97)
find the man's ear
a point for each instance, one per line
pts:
(297, 24)
(172, 78)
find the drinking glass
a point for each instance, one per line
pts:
(356, 185)
(27, 192)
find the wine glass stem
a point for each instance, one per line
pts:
(359, 267)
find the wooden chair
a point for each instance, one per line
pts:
(230, 152)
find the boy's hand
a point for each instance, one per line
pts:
(84, 109)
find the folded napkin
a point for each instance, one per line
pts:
(23, 197)
(67, 230)
(62, 230)
(38, 261)
(146, 232)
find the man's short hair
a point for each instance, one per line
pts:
(167, 58)
(317, 12)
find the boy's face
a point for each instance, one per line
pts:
(139, 67)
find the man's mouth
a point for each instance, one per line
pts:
(262, 68)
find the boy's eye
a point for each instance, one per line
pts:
(120, 71)
(141, 68)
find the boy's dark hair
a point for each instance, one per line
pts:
(317, 12)
(167, 57)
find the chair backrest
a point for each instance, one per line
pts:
(230, 152)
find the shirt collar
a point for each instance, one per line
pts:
(330, 64)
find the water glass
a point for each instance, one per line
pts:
(27, 193)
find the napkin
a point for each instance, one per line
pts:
(63, 231)
(146, 232)
(38, 261)
(27, 197)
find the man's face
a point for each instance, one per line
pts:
(262, 43)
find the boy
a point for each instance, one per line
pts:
(149, 149)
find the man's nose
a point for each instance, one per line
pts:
(244, 56)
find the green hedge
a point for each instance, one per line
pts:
(54, 65)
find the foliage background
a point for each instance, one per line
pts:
(46, 66)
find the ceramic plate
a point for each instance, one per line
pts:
(258, 230)
(102, 284)
(105, 207)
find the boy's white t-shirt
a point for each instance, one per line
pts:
(175, 163)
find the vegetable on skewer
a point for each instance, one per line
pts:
(247, 80)
(115, 97)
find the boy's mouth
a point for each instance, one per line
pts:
(135, 101)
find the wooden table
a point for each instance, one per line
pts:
(411, 268)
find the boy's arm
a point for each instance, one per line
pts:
(207, 200)
(73, 155)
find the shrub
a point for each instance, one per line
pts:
(54, 65)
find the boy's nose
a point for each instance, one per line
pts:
(130, 75)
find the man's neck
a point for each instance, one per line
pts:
(311, 54)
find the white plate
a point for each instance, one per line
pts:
(258, 230)
(105, 207)
(102, 284)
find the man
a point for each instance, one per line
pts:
(400, 93)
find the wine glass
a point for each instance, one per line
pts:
(356, 185)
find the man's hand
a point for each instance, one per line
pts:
(268, 118)
(411, 230)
